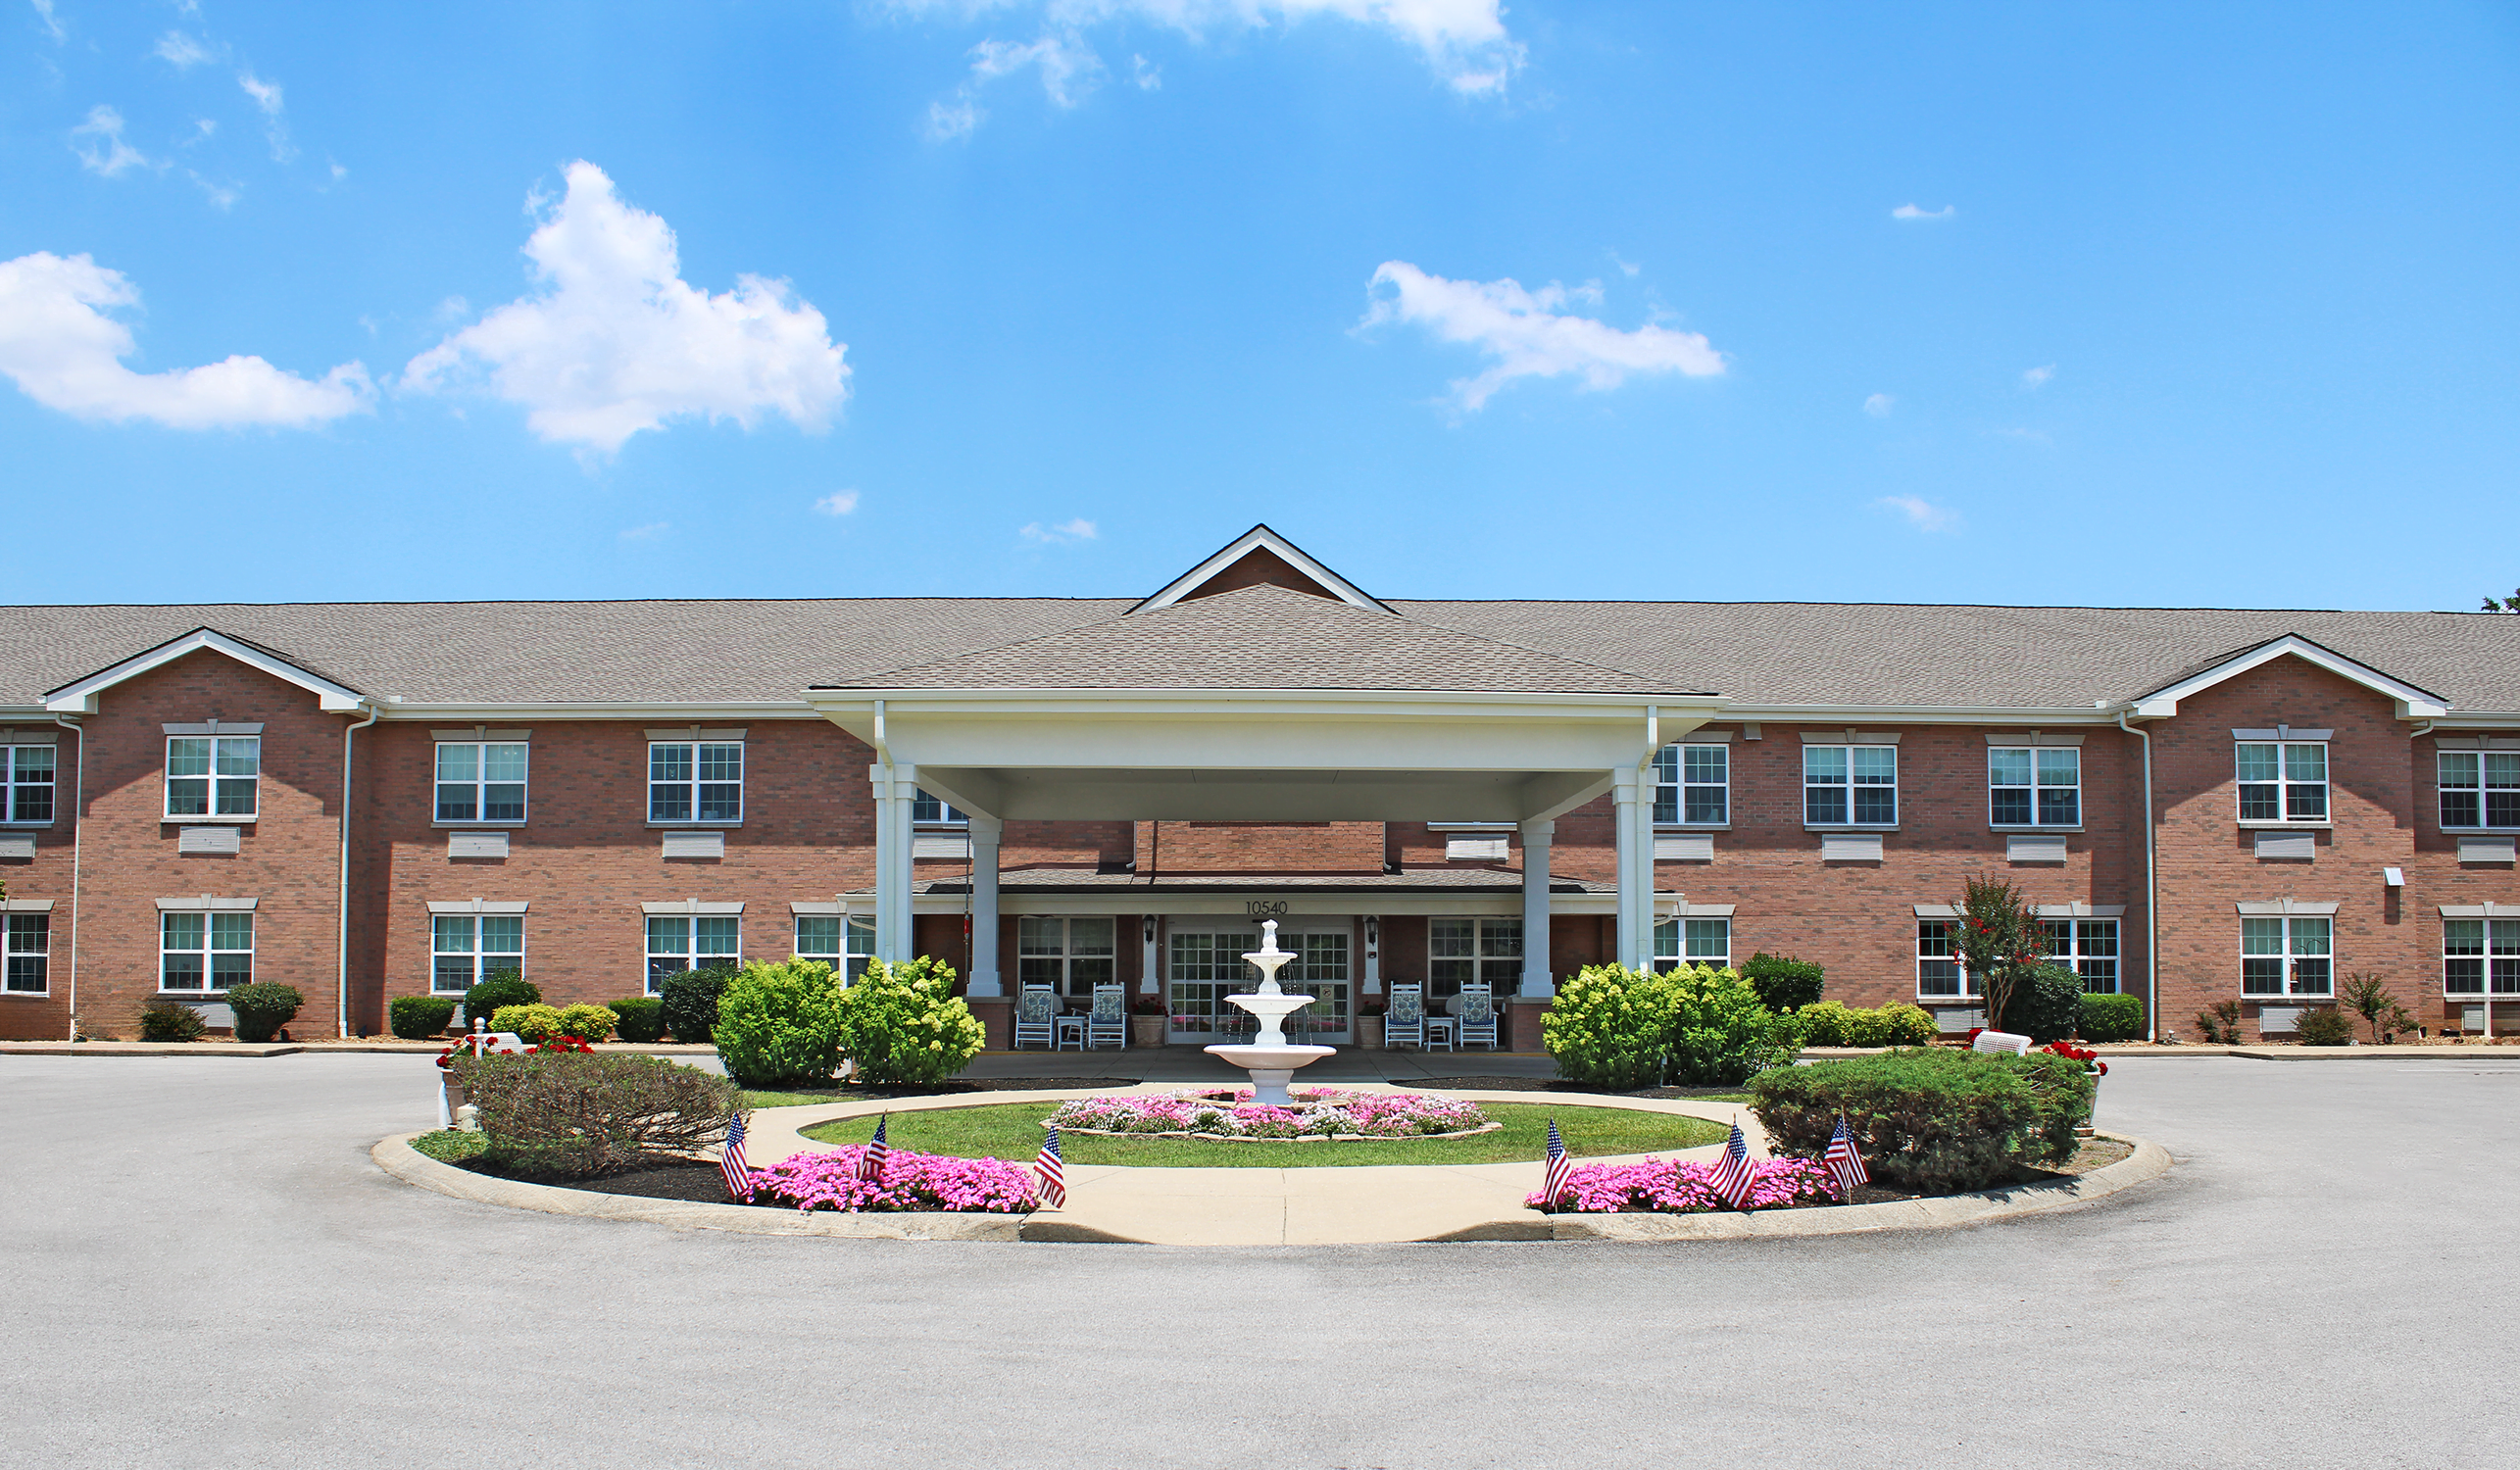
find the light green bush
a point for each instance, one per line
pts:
(1721, 1033)
(1610, 1027)
(588, 1023)
(536, 1023)
(1830, 1024)
(903, 1023)
(779, 1025)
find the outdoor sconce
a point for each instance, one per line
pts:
(1373, 936)
(1146, 930)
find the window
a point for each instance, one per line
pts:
(1851, 785)
(2088, 948)
(29, 954)
(929, 810)
(2034, 787)
(27, 783)
(1463, 951)
(478, 782)
(2480, 788)
(1939, 973)
(1693, 784)
(696, 781)
(1693, 941)
(469, 949)
(212, 775)
(2283, 781)
(2471, 950)
(676, 943)
(2286, 957)
(205, 952)
(819, 935)
(1070, 956)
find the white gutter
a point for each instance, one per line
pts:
(341, 978)
(2151, 894)
(77, 844)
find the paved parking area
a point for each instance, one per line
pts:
(207, 1270)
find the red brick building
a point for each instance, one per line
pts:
(368, 801)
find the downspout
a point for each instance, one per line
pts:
(341, 975)
(77, 844)
(2152, 894)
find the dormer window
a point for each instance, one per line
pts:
(2283, 780)
(212, 775)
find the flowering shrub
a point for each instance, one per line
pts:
(2083, 1055)
(1324, 1112)
(911, 1181)
(1673, 1188)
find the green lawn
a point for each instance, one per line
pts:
(1013, 1131)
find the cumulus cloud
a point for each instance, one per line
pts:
(181, 51)
(99, 144)
(1923, 514)
(1878, 404)
(2034, 377)
(1066, 534)
(1527, 334)
(839, 502)
(1914, 212)
(62, 351)
(1069, 68)
(614, 341)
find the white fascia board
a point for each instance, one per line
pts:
(1240, 703)
(665, 711)
(81, 697)
(2412, 702)
(1230, 905)
(1256, 538)
(2035, 716)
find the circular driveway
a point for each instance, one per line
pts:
(208, 1270)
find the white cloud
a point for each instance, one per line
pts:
(99, 144)
(1912, 212)
(202, 129)
(1066, 534)
(1069, 71)
(1627, 268)
(1526, 333)
(653, 531)
(955, 118)
(1148, 75)
(2025, 435)
(1878, 404)
(64, 352)
(2033, 377)
(613, 340)
(266, 96)
(181, 51)
(51, 23)
(221, 195)
(839, 502)
(1922, 513)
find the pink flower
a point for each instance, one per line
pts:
(1673, 1187)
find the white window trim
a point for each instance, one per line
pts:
(1849, 786)
(954, 820)
(2290, 956)
(1680, 783)
(215, 733)
(1678, 924)
(2036, 786)
(649, 784)
(2073, 956)
(693, 910)
(1478, 958)
(1942, 914)
(9, 784)
(852, 925)
(479, 785)
(30, 908)
(2284, 738)
(2478, 755)
(208, 970)
(475, 912)
(2482, 916)
(1068, 956)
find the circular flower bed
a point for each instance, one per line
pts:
(1319, 1113)
(1675, 1188)
(911, 1181)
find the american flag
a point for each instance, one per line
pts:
(1559, 1164)
(1843, 1160)
(870, 1164)
(1734, 1175)
(1054, 1174)
(730, 1162)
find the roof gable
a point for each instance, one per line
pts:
(2413, 703)
(79, 696)
(1260, 556)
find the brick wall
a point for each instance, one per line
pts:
(46, 875)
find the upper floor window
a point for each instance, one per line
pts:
(212, 775)
(1070, 956)
(27, 783)
(2480, 788)
(927, 809)
(844, 941)
(480, 781)
(1851, 785)
(205, 952)
(2283, 781)
(2473, 948)
(1693, 784)
(2034, 785)
(2088, 948)
(1693, 941)
(696, 781)
(2292, 956)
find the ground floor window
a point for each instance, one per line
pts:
(1204, 969)
(676, 944)
(1463, 951)
(1693, 941)
(2474, 952)
(205, 952)
(29, 953)
(1070, 956)
(2088, 948)
(2292, 956)
(1940, 976)
(844, 941)
(467, 948)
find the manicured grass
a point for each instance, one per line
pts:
(1013, 1131)
(783, 1099)
(450, 1145)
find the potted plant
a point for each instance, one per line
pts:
(1147, 1021)
(1370, 1014)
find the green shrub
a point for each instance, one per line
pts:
(691, 1005)
(536, 1023)
(903, 1023)
(2219, 1023)
(1610, 1027)
(2324, 1026)
(2113, 1019)
(420, 1017)
(588, 1023)
(1783, 982)
(779, 1025)
(1721, 1034)
(503, 988)
(171, 1021)
(261, 1010)
(1937, 1120)
(2047, 1003)
(2367, 996)
(574, 1114)
(1905, 1025)
(1830, 1024)
(639, 1018)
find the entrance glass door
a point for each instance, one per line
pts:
(1205, 967)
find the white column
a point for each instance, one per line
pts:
(895, 786)
(1373, 955)
(1623, 801)
(1151, 965)
(1537, 977)
(1644, 960)
(985, 832)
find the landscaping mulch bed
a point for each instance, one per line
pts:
(2095, 1152)
(691, 1179)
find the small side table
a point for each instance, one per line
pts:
(1067, 1028)
(1440, 1031)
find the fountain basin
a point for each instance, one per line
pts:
(1270, 1068)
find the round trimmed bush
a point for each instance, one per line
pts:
(420, 1017)
(903, 1023)
(588, 1023)
(2047, 1006)
(2113, 1019)
(691, 1005)
(1937, 1120)
(482, 1001)
(638, 1018)
(779, 1025)
(261, 1010)
(1721, 1033)
(2324, 1026)
(536, 1023)
(1610, 1027)
(1783, 982)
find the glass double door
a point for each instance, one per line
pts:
(1205, 965)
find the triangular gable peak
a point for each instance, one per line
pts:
(2413, 703)
(79, 696)
(1261, 557)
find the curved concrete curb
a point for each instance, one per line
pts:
(396, 1157)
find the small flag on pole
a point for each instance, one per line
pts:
(1843, 1160)
(870, 1164)
(1559, 1164)
(1733, 1175)
(1053, 1173)
(730, 1162)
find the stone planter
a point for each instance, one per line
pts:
(1147, 1030)
(1369, 1033)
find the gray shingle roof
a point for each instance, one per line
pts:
(1472, 880)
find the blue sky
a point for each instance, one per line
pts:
(2019, 304)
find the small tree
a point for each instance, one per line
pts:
(2368, 997)
(2509, 604)
(2000, 941)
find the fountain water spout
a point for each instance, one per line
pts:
(1268, 1057)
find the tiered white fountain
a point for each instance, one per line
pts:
(1268, 1057)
